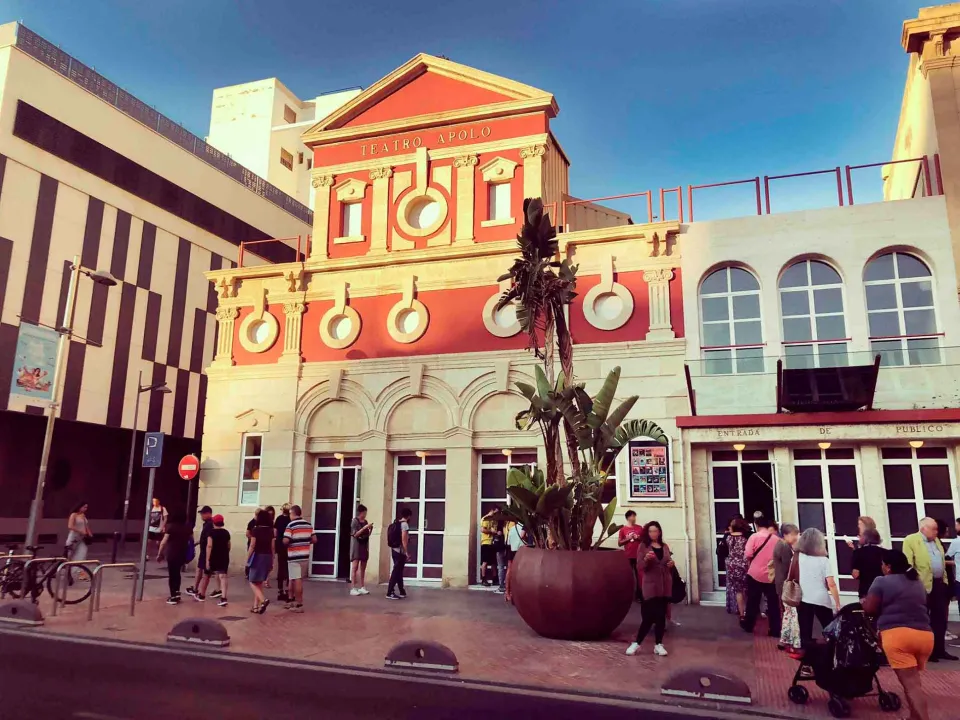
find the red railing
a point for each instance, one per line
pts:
(302, 243)
(924, 167)
(768, 178)
(649, 195)
(663, 211)
(691, 188)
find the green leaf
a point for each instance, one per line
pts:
(609, 512)
(543, 385)
(601, 403)
(518, 478)
(620, 414)
(527, 499)
(527, 390)
(633, 429)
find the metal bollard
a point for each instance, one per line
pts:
(116, 545)
(97, 588)
(58, 581)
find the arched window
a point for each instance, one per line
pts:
(900, 310)
(811, 310)
(730, 332)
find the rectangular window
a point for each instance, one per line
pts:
(351, 219)
(309, 163)
(299, 158)
(918, 483)
(499, 194)
(286, 159)
(250, 455)
(289, 114)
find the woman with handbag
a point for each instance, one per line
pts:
(786, 574)
(79, 536)
(657, 587)
(820, 597)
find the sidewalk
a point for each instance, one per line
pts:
(490, 640)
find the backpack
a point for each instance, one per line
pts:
(191, 551)
(394, 535)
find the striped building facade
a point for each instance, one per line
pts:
(86, 172)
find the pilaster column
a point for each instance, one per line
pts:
(381, 208)
(466, 193)
(321, 216)
(532, 157)
(875, 500)
(658, 282)
(461, 500)
(376, 492)
(226, 318)
(293, 311)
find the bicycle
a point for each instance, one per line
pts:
(17, 583)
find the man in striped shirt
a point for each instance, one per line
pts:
(298, 537)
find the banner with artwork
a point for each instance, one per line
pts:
(650, 476)
(34, 362)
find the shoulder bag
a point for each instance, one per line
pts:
(770, 570)
(792, 595)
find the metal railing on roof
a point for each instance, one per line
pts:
(89, 79)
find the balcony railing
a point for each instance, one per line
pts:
(92, 81)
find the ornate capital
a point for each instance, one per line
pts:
(320, 181)
(533, 151)
(381, 173)
(658, 275)
(465, 161)
(294, 308)
(227, 313)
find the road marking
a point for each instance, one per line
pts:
(97, 716)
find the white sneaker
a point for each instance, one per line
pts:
(633, 648)
(949, 636)
(363, 591)
(354, 591)
(659, 650)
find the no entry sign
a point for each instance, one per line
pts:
(188, 467)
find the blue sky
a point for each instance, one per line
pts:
(652, 93)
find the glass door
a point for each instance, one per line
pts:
(336, 492)
(420, 484)
(828, 498)
(919, 483)
(492, 488)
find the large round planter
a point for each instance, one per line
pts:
(569, 595)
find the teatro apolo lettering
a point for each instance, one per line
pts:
(444, 137)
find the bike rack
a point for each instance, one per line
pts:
(4, 565)
(26, 571)
(97, 586)
(58, 581)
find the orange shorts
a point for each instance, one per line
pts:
(907, 648)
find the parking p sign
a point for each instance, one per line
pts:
(152, 449)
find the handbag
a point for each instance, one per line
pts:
(792, 595)
(678, 591)
(87, 540)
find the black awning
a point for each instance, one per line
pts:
(831, 389)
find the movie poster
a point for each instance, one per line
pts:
(33, 364)
(649, 471)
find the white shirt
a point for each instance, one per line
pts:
(814, 571)
(953, 552)
(513, 538)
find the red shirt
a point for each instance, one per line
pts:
(635, 531)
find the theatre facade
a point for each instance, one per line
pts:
(802, 363)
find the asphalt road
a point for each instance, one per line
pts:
(44, 676)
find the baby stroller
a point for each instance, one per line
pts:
(846, 666)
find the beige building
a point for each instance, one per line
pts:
(87, 169)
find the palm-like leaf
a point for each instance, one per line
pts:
(604, 398)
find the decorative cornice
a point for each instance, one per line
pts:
(225, 313)
(533, 151)
(465, 161)
(381, 173)
(320, 181)
(663, 274)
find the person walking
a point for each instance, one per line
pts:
(158, 520)
(206, 527)
(488, 554)
(657, 588)
(760, 579)
(630, 538)
(272, 513)
(360, 531)
(924, 553)
(820, 597)
(283, 579)
(783, 555)
(218, 561)
(260, 559)
(173, 548)
(79, 535)
(298, 537)
(398, 540)
(866, 561)
(249, 535)
(898, 600)
(736, 565)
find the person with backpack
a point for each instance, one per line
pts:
(398, 540)
(176, 538)
(761, 577)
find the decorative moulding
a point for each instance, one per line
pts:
(607, 305)
(408, 319)
(500, 323)
(350, 190)
(253, 420)
(498, 223)
(421, 194)
(259, 330)
(498, 170)
(340, 325)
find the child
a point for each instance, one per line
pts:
(218, 559)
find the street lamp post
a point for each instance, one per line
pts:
(100, 277)
(163, 389)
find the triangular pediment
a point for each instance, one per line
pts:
(426, 91)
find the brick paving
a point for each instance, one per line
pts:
(490, 640)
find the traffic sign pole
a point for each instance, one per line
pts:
(152, 456)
